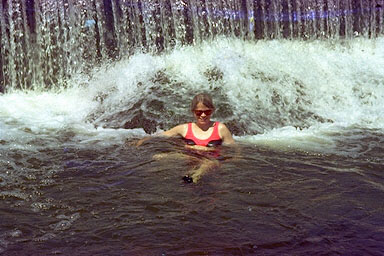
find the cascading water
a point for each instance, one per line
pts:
(298, 82)
(43, 43)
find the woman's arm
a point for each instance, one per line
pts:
(228, 140)
(226, 135)
(179, 130)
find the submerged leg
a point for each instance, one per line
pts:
(202, 165)
(206, 165)
(170, 155)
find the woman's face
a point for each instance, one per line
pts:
(202, 114)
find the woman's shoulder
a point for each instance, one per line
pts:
(221, 125)
(183, 126)
(183, 129)
(225, 134)
(176, 131)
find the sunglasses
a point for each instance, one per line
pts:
(200, 112)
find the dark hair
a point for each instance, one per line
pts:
(202, 98)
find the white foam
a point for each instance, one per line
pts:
(44, 110)
(287, 138)
(342, 81)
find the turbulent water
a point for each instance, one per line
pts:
(308, 119)
(43, 43)
(300, 84)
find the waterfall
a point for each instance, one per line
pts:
(44, 43)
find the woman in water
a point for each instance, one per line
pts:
(201, 136)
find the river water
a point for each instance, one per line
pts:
(308, 120)
(304, 103)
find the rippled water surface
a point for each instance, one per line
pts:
(70, 197)
(82, 81)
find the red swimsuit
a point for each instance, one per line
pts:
(213, 140)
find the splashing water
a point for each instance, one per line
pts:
(43, 43)
(299, 83)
